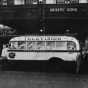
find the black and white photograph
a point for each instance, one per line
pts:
(43, 43)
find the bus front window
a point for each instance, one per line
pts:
(14, 45)
(71, 45)
(18, 45)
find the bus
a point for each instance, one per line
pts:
(42, 48)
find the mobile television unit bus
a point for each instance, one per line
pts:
(42, 47)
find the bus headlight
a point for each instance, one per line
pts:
(12, 55)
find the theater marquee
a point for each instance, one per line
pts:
(63, 9)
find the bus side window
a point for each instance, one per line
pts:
(29, 45)
(50, 44)
(22, 45)
(41, 45)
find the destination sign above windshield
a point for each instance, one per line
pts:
(48, 38)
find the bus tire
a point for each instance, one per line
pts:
(55, 64)
(55, 60)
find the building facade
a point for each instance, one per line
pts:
(29, 16)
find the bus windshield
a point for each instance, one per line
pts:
(43, 45)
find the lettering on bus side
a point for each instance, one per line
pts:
(43, 38)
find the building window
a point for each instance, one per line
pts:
(4, 2)
(19, 2)
(83, 1)
(60, 1)
(27, 2)
(50, 1)
(71, 1)
(74, 1)
(34, 2)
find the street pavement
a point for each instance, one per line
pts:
(34, 77)
(19, 79)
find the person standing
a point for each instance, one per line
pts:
(1, 46)
(85, 50)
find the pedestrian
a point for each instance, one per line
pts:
(4, 51)
(1, 46)
(86, 48)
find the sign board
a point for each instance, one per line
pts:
(48, 38)
(64, 9)
(58, 11)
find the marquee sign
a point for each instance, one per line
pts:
(64, 9)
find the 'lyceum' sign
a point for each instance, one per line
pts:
(64, 9)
